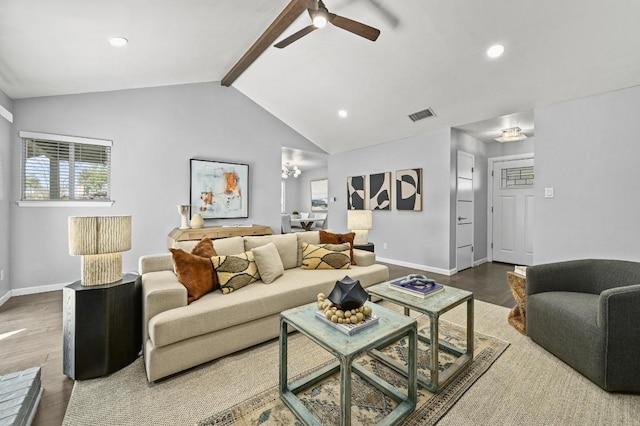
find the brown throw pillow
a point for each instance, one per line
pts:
(195, 273)
(204, 248)
(331, 238)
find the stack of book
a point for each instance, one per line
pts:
(417, 286)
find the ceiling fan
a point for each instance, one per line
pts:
(320, 16)
(289, 14)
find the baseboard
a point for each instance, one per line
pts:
(480, 262)
(37, 289)
(5, 297)
(447, 272)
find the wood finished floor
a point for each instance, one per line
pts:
(39, 341)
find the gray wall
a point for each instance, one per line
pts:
(588, 150)
(155, 132)
(463, 142)
(5, 187)
(413, 238)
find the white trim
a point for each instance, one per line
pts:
(479, 262)
(63, 138)
(447, 272)
(5, 297)
(490, 164)
(38, 289)
(5, 113)
(65, 203)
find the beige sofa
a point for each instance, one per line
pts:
(177, 336)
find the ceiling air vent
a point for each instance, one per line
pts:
(421, 115)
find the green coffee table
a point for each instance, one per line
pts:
(432, 306)
(390, 328)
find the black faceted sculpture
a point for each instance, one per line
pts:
(348, 294)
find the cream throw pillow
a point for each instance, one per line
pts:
(235, 271)
(268, 261)
(325, 256)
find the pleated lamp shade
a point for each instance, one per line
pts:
(100, 240)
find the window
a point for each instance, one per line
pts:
(518, 177)
(65, 169)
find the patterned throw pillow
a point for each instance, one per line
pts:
(325, 256)
(331, 238)
(235, 271)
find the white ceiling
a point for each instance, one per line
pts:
(429, 54)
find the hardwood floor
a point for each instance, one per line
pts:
(37, 319)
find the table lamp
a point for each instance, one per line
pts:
(100, 240)
(360, 221)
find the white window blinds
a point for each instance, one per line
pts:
(64, 168)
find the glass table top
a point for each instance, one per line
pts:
(435, 303)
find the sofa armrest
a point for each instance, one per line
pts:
(618, 309)
(364, 257)
(155, 262)
(161, 291)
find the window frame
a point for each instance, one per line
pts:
(24, 135)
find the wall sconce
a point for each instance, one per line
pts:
(100, 240)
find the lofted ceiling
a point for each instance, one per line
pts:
(429, 54)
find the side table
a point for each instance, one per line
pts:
(102, 327)
(518, 315)
(367, 247)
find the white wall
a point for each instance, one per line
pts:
(419, 239)
(497, 149)
(588, 150)
(155, 132)
(5, 187)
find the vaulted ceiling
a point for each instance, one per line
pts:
(430, 53)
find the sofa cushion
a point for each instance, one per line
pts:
(268, 262)
(195, 273)
(331, 238)
(287, 245)
(204, 248)
(222, 246)
(216, 311)
(325, 256)
(235, 271)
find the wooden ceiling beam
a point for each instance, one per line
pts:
(290, 13)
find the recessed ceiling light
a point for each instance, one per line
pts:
(495, 51)
(342, 113)
(118, 41)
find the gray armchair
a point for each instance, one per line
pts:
(587, 313)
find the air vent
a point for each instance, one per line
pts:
(421, 115)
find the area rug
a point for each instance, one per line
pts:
(370, 405)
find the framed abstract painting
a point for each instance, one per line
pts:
(409, 189)
(380, 191)
(219, 190)
(355, 193)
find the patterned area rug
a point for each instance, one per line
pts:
(369, 405)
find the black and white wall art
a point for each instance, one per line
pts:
(355, 193)
(409, 189)
(380, 190)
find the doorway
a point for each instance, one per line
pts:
(511, 208)
(464, 211)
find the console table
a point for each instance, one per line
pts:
(214, 232)
(102, 327)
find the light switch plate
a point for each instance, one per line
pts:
(548, 193)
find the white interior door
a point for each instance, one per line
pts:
(464, 211)
(512, 212)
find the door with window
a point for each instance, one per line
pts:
(512, 211)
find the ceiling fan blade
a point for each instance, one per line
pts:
(290, 13)
(355, 27)
(295, 36)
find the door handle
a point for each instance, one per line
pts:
(461, 218)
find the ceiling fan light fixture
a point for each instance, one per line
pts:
(511, 134)
(320, 19)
